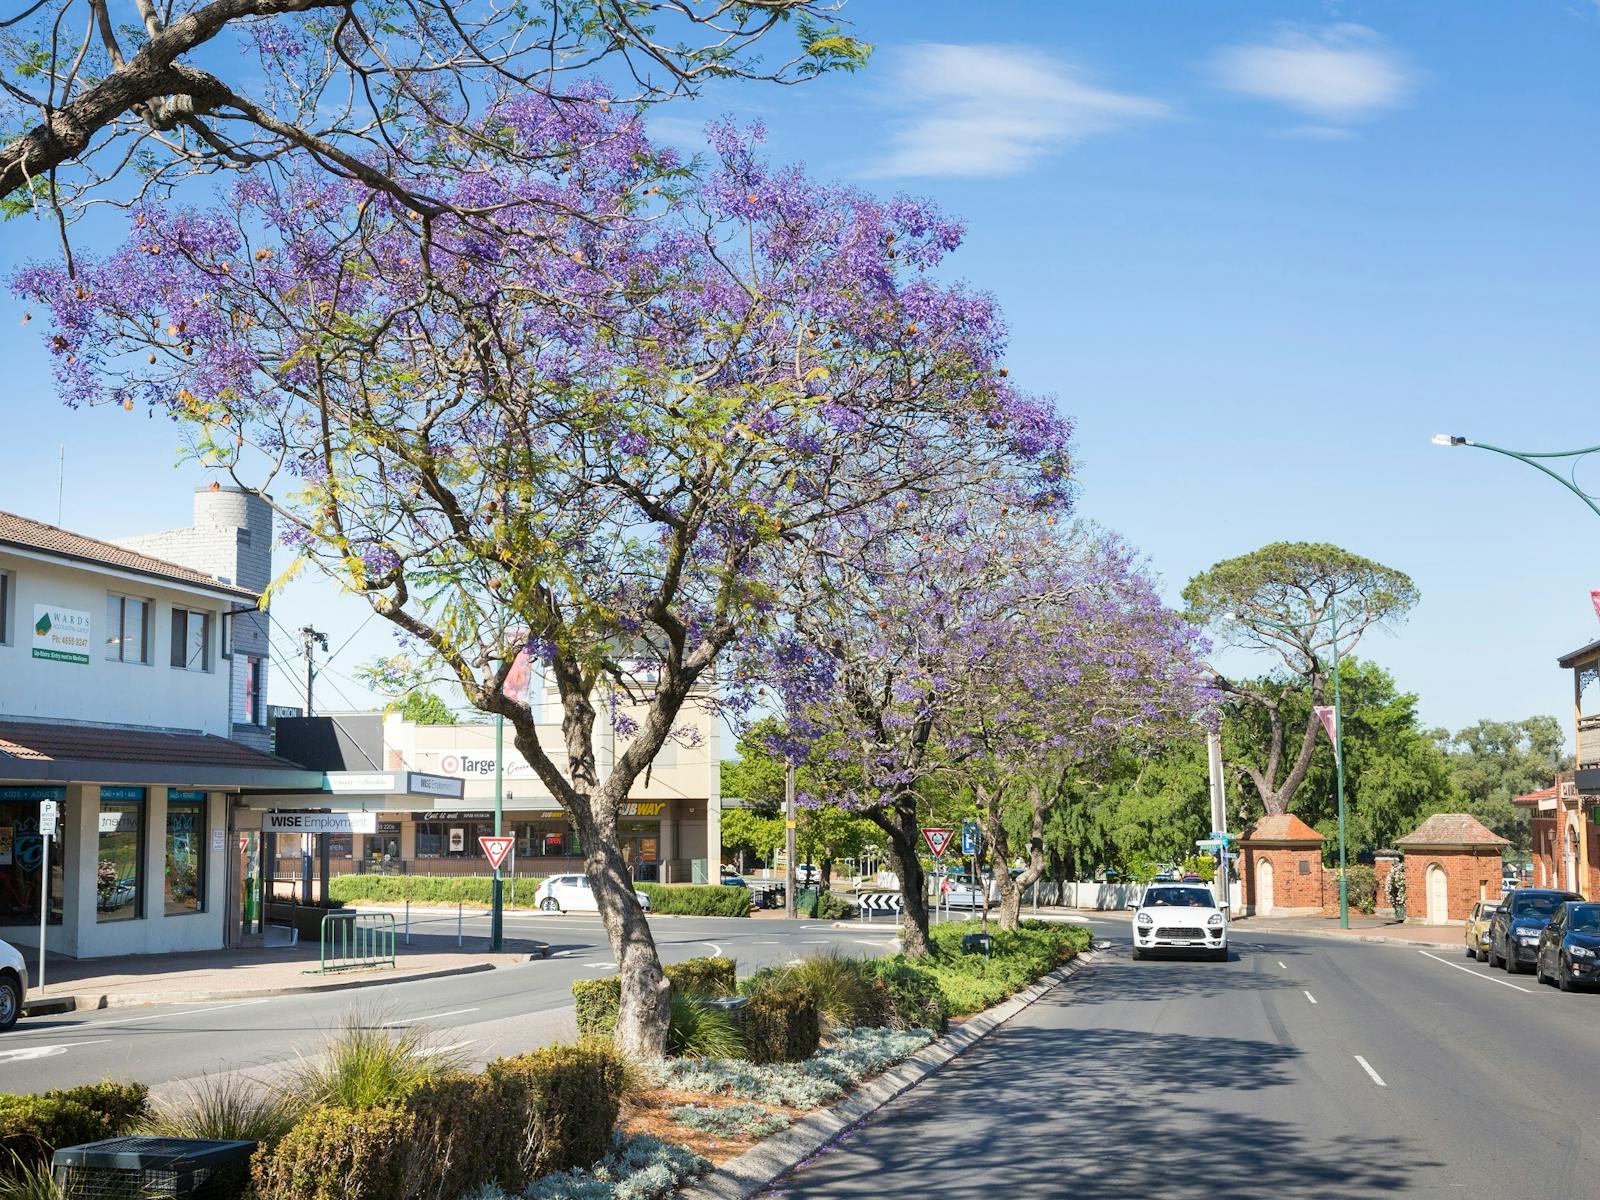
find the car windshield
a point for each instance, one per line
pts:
(1172, 897)
(1584, 918)
(1537, 906)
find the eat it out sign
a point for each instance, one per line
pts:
(496, 849)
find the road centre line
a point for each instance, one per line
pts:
(29, 1053)
(188, 1012)
(1281, 966)
(1474, 974)
(1311, 998)
(1367, 1067)
(454, 1012)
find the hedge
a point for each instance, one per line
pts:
(339, 1154)
(33, 1128)
(567, 1099)
(912, 996)
(599, 1000)
(971, 982)
(697, 900)
(782, 1024)
(468, 1131)
(428, 889)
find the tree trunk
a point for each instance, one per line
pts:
(646, 996)
(900, 824)
(1011, 889)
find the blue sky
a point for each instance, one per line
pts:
(1260, 252)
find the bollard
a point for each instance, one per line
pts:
(408, 922)
(458, 924)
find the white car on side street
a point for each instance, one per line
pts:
(1180, 916)
(572, 893)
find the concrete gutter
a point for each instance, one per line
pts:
(87, 1001)
(768, 1161)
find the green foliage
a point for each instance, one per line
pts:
(847, 990)
(1361, 887)
(570, 1096)
(1492, 762)
(636, 1168)
(711, 976)
(468, 1130)
(730, 1120)
(782, 1023)
(21, 1180)
(338, 1153)
(33, 1128)
(913, 998)
(970, 983)
(365, 1064)
(747, 831)
(699, 1029)
(697, 900)
(426, 708)
(851, 1056)
(598, 1003)
(822, 904)
(227, 1107)
(426, 889)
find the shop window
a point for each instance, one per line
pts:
(22, 854)
(191, 640)
(384, 845)
(127, 629)
(119, 881)
(451, 839)
(547, 839)
(186, 852)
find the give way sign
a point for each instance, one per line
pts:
(937, 840)
(496, 849)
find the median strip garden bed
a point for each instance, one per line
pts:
(384, 1113)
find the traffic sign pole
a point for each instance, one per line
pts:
(497, 909)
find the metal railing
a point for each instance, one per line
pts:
(350, 941)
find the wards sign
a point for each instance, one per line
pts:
(60, 634)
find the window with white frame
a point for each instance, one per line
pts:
(127, 628)
(191, 640)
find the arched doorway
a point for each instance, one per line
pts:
(1263, 887)
(1438, 895)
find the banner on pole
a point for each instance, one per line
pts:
(1594, 599)
(1326, 716)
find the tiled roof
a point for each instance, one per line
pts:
(1452, 829)
(36, 535)
(1282, 827)
(1529, 799)
(30, 742)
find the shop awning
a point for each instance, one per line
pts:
(63, 753)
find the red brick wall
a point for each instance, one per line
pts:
(1290, 888)
(1470, 871)
(1382, 865)
(1546, 858)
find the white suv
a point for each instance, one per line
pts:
(1180, 916)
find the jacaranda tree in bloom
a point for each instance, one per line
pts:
(100, 105)
(590, 432)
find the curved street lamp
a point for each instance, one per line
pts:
(1536, 460)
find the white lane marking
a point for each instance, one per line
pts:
(795, 962)
(1281, 967)
(454, 1012)
(716, 950)
(602, 966)
(1367, 1067)
(874, 945)
(432, 1050)
(29, 1053)
(188, 1012)
(1474, 974)
(1311, 998)
(766, 943)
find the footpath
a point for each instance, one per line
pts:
(77, 984)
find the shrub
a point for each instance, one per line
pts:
(846, 989)
(730, 1120)
(339, 1153)
(227, 1108)
(912, 999)
(969, 983)
(781, 1024)
(704, 976)
(700, 1029)
(427, 889)
(636, 1168)
(33, 1128)
(369, 1063)
(598, 1002)
(1361, 886)
(825, 906)
(468, 1131)
(697, 900)
(569, 1097)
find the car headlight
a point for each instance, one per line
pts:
(1215, 919)
(1528, 935)
(1580, 952)
(1145, 918)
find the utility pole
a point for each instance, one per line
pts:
(311, 638)
(1219, 811)
(788, 841)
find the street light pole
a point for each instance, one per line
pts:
(1535, 459)
(1338, 765)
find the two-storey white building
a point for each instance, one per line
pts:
(132, 695)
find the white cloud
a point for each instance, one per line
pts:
(1336, 73)
(995, 110)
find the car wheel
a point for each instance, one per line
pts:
(1564, 975)
(1513, 967)
(1538, 970)
(548, 904)
(1494, 959)
(1138, 953)
(10, 1002)
(1481, 955)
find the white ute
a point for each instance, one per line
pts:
(1180, 916)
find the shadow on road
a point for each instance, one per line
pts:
(1046, 1111)
(1119, 980)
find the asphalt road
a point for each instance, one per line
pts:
(1303, 1066)
(481, 1016)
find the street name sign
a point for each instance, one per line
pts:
(496, 849)
(938, 840)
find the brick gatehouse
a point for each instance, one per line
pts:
(1281, 866)
(1452, 861)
